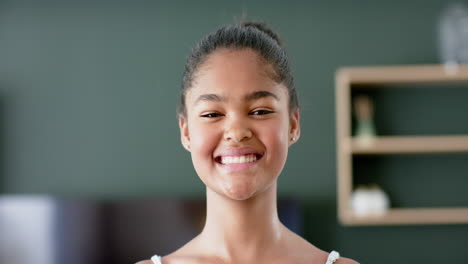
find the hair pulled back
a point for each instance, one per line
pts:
(256, 36)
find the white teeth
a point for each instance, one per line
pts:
(238, 159)
(242, 159)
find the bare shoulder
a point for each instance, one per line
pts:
(309, 253)
(346, 261)
(169, 259)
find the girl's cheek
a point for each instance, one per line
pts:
(279, 135)
(204, 139)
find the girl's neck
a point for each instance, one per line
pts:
(245, 228)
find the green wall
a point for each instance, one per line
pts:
(88, 92)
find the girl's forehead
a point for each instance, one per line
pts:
(276, 94)
(236, 61)
(242, 55)
(229, 71)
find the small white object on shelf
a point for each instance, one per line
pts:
(369, 201)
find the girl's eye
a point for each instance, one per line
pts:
(261, 112)
(211, 115)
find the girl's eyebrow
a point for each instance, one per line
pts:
(210, 97)
(260, 94)
(250, 97)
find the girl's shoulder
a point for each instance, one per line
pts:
(187, 254)
(306, 252)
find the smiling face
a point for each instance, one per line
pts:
(238, 126)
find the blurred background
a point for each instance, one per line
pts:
(88, 130)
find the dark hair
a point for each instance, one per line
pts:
(256, 36)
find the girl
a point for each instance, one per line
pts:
(238, 116)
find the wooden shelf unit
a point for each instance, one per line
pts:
(347, 146)
(410, 144)
(410, 216)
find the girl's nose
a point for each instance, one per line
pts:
(237, 131)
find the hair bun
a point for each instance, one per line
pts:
(263, 28)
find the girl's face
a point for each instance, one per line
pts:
(238, 127)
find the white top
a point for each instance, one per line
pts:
(332, 257)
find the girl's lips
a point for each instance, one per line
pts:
(230, 152)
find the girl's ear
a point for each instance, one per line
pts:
(184, 133)
(294, 127)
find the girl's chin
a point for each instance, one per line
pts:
(239, 197)
(239, 192)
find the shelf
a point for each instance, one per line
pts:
(410, 144)
(349, 78)
(401, 74)
(410, 216)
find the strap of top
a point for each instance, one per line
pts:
(156, 259)
(332, 257)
